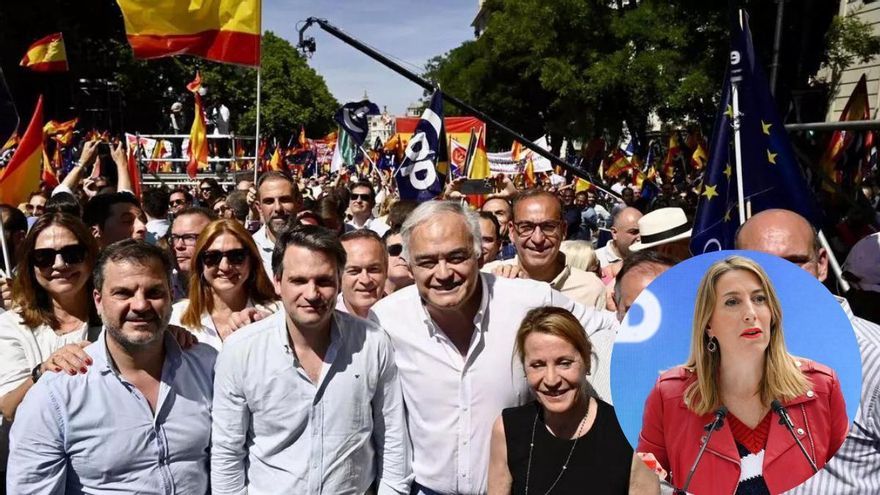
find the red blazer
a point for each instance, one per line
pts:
(674, 434)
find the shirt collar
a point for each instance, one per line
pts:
(478, 318)
(560, 279)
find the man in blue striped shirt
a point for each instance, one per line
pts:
(855, 469)
(139, 421)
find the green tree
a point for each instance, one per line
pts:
(850, 41)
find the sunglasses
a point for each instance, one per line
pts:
(71, 255)
(362, 197)
(395, 249)
(178, 202)
(234, 256)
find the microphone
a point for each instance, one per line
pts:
(785, 420)
(711, 428)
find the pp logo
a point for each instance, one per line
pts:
(642, 320)
(420, 170)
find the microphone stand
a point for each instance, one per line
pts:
(785, 420)
(711, 428)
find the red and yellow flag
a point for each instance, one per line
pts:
(582, 185)
(303, 141)
(529, 174)
(46, 55)
(275, 161)
(673, 152)
(516, 151)
(11, 142)
(61, 131)
(478, 168)
(21, 176)
(219, 30)
(48, 173)
(198, 135)
(618, 164)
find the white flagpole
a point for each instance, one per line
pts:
(257, 140)
(737, 149)
(8, 273)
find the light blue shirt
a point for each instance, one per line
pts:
(95, 432)
(277, 432)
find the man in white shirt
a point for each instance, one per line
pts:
(155, 203)
(308, 400)
(361, 201)
(624, 232)
(366, 269)
(453, 334)
(279, 200)
(537, 228)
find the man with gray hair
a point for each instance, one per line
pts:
(139, 421)
(453, 334)
(854, 468)
(308, 400)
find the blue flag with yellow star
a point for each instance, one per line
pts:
(772, 177)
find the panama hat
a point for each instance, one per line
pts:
(662, 226)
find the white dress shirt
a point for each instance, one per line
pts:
(372, 223)
(277, 432)
(453, 400)
(265, 246)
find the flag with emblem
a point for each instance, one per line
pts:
(771, 176)
(353, 118)
(423, 172)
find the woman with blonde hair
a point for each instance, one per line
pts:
(567, 441)
(740, 370)
(581, 255)
(227, 276)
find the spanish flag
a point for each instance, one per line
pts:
(198, 135)
(46, 55)
(219, 30)
(61, 131)
(275, 162)
(529, 174)
(21, 176)
(478, 168)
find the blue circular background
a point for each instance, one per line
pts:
(815, 328)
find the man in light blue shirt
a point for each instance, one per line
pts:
(308, 400)
(139, 421)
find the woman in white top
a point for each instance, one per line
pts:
(52, 308)
(227, 276)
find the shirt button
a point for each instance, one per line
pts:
(800, 431)
(810, 393)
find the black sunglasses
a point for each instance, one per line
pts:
(363, 197)
(394, 249)
(71, 255)
(235, 256)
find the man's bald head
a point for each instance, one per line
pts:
(788, 235)
(625, 229)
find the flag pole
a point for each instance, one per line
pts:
(737, 150)
(8, 273)
(257, 133)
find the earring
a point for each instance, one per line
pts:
(712, 345)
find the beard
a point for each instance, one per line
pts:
(135, 341)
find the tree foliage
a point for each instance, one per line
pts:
(293, 95)
(850, 41)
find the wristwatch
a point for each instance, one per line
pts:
(37, 372)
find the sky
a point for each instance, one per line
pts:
(408, 31)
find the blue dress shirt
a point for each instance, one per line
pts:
(96, 433)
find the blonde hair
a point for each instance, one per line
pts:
(782, 379)
(258, 286)
(580, 254)
(558, 322)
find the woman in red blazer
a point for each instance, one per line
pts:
(738, 361)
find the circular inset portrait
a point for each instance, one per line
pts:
(736, 370)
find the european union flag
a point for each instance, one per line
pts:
(419, 177)
(352, 117)
(772, 177)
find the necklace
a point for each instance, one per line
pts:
(577, 437)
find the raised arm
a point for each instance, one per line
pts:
(117, 151)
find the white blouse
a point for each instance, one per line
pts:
(207, 333)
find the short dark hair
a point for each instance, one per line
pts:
(274, 175)
(237, 202)
(363, 184)
(492, 218)
(64, 202)
(198, 210)
(131, 250)
(399, 212)
(313, 238)
(156, 202)
(14, 221)
(98, 209)
(636, 259)
(532, 194)
(186, 194)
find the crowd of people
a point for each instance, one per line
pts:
(320, 335)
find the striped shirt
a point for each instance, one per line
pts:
(855, 469)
